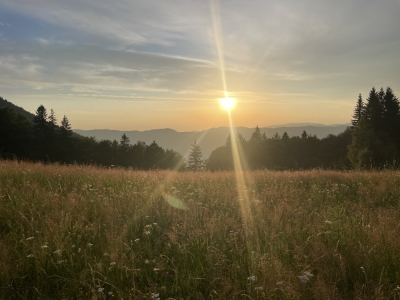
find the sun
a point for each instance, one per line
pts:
(227, 103)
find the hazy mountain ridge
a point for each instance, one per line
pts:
(208, 139)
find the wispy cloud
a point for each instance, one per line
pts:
(147, 48)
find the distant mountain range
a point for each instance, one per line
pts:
(208, 139)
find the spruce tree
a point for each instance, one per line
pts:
(52, 121)
(125, 141)
(195, 163)
(391, 116)
(374, 110)
(41, 134)
(358, 111)
(256, 136)
(285, 136)
(40, 123)
(65, 128)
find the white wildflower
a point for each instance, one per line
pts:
(100, 289)
(112, 264)
(110, 293)
(252, 278)
(156, 269)
(44, 247)
(155, 296)
(57, 252)
(303, 278)
(90, 245)
(73, 246)
(136, 240)
(60, 262)
(30, 238)
(258, 288)
(308, 274)
(147, 232)
(30, 256)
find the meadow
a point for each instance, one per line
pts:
(81, 232)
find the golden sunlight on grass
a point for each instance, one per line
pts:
(227, 103)
(90, 233)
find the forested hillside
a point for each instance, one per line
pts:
(44, 140)
(373, 141)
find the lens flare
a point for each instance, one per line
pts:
(227, 103)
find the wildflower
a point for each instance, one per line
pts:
(308, 274)
(252, 278)
(30, 256)
(305, 277)
(30, 238)
(73, 246)
(112, 264)
(60, 262)
(154, 261)
(147, 232)
(328, 222)
(57, 252)
(136, 240)
(100, 289)
(258, 288)
(90, 245)
(44, 247)
(155, 224)
(156, 269)
(155, 296)
(110, 293)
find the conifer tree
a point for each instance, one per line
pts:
(256, 136)
(195, 163)
(65, 128)
(285, 136)
(125, 141)
(374, 110)
(358, 111)
(41, 134)
(391, 116)
(52, 121)
(40, 123)
(52, 152)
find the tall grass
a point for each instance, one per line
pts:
(88, 233)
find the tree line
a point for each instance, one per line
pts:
(372, 141)
(45, 140)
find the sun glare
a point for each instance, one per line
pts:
(227, 103)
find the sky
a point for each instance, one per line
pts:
(145, 64)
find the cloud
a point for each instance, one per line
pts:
(149, 46)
